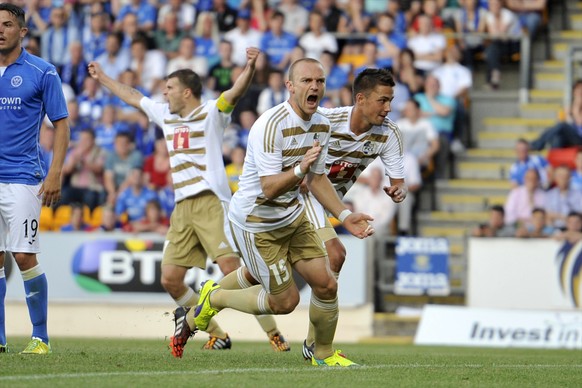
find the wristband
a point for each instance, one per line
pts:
(298, 173)
(343, 215)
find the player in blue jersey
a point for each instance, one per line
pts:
(30, 88)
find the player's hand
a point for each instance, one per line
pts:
(310, 157)
(50, 190)
(358, 225)
(252, 55)
(94, 70)
(397, 193)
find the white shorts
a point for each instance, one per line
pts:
(19, 218)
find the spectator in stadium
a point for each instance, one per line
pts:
(274, 94)
(358, 19)
(95, 38)
(529, 14)
(38, 15)
(335, 19)
(567, 133)
(526, 161)
(184, 11)
(470, 20)
(235, 168)
(133, 200)
(430, 8)
(296, 16)
(400, 23)
(115, 59)
(419, 137)
(523, 199)
(576, 178)
(455, 81)
(108, 128)
(225, 15)
(145, 15)
(56, 39)
(440, 110)
(317, 40)
(428, 46)
(83, 169)
(125, 113)
(220, 75)
(503, 29)
(495, 226)
(407, 74)
(370, 54)
(153, 221)
(242, 36)
(168, 36)
(77, 223)
(538, 228)
(207, 38)
(109, 222)
(166, 196)
(156, 166)
(90, 102)
(74, 70)
(388, 41)
(276, 43)
(76, 122)
(572, 233)
(336, 77)
(560, 199)
(118, 166)
(148, 65)
(186, 59)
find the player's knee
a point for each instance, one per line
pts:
(172, 285)
(286, 304)
(337, 255)
(25, 261)
(326, 290)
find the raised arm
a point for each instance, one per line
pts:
(242, 83)
(128, 94)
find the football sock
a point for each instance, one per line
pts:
(311, 331)
(236, 280)
(2, 312)
(268, 324)
(323, 314)
(188, 299)
(36, 290)
(253, 300)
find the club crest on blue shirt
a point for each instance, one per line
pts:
(368, 148)
(16, 81)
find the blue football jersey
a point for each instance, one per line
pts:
(29, 89)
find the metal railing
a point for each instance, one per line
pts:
(571, 60)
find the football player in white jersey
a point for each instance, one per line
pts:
(359, 134)
(286, 144)
(198, 225)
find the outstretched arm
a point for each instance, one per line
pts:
(242, 83)
(128, 94)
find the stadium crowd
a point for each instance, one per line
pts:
(118, 167)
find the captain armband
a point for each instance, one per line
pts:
(223, 105)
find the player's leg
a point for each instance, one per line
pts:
(236, 280)
(21, 210)
(336, 254)
(182, 251)
(265, 255)
(3, 343)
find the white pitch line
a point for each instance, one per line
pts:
(278, 370)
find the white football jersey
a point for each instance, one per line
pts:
(277, 142)
(349, 154)
(195, 147)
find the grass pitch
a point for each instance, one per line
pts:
(148, 363)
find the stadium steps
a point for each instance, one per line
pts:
(515, 124)
(440, 219)
(554, 81)
(503, 140)
(476, 202)
(548, 96)
(492, 169)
